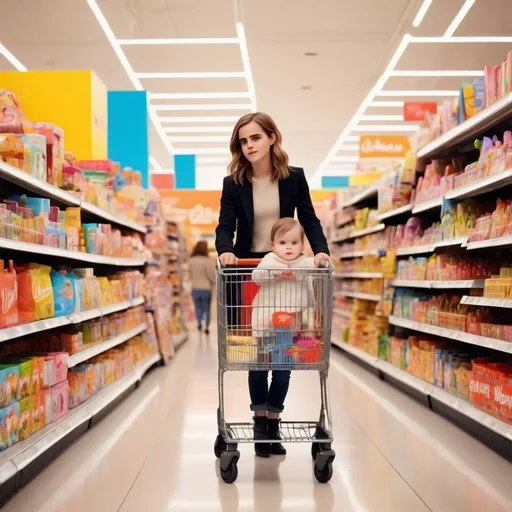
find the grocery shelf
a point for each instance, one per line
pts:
(361, 232)
(470, 129)
(18, 457)
(99, 348)
(488, 184)
(359, 254)
(415, 249)
(465, 408)
(440, 285)
(362, 296)
(359, 275)
(28, 182)
(451, 242)
(394, 213)
(485, 301)
(464, 337)
(15, 245)
(487, 244)
(427, 205)
(75, 318)
(362, 196)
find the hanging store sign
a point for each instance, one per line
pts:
(383, 146)
(416, 110)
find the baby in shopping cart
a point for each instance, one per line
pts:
(284, 284)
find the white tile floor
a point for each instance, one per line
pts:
(155, 452)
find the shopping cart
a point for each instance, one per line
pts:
(282, 324)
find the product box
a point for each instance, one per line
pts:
(24, 388)
(9, 377)
(38, 414)
(47, 406)
(26, 410)
(37, 145)
(9, 419)
(60, 396)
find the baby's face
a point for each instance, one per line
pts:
(288, 246)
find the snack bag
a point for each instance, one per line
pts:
(26, 303)
(42, 291)
(63, 293)
(8, 296)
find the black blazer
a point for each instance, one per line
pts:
(237, 214)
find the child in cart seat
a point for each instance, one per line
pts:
(282, 285)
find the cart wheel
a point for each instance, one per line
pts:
(231, 474)
(219, 446)
(315, 448)
(324, 475)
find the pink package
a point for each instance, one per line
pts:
(413, 230)
(49, 412)
(60, 394)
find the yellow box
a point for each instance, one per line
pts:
(76, 101)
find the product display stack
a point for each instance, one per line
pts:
(74, 334)
(424, 273)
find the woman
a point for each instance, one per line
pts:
(262, 189)
(202, 277)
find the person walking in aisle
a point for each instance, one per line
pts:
(261, 189)
(202, 277)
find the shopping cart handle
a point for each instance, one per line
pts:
(240, 262)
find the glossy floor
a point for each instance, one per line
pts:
(155, 452)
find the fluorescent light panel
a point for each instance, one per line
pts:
(461, 39)
(213, 160)
(439, 73)
(196, 138)
(200, 119)
(201, 74)
(352, 138)
(127, 67)
(349, 147)
(425, 6)
(459, 18)
(246, 64)
(196, 95)
(183, 41)
(199, 129)
(202, 151)
(387, 104)
(432, 93)
(345, 159)
(154, 163)
(215, 106)
(12, 59)
(376, 117)
(386, 128)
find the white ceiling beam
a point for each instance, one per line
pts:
(197, 95)
(419, 93)
(198, 74)
(377, 117)
(425, 6)
(459, 18)
(438, 73)
(202, 151)
(369, 128)
(246, 64)
(198, 129)
(198, 138)
(12, 59)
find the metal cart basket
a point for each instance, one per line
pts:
(274, 319)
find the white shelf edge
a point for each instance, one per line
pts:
(492, 182)
(486, 301)
(393, 213)
(451, 242)
(24, 452)
(143, 367)
(111, 217)
(85, 257)
(493, 242)
(438, 285)
(75, 318)
(415, 249)
(367, 231)
(411, 283)
(468, 129)
(359, 254)
(464, 337)
(362, 296)
(359, 275)
(455, 403)
(365, 194)
(427, 205)
(99, 348)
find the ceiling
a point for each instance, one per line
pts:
(312, 98)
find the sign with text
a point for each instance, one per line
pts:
(416, 110)
(383, 146)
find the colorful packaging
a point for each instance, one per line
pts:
(8, 296)
(38, 414)
(9, 377)
(26, 302)
(9, 420)
(43, 291)
(26, 410)
(37, 146)
(63, 293)
(60, 394)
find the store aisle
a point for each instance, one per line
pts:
(155, 452)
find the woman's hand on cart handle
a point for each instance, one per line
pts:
(227, 258)
(322, 260)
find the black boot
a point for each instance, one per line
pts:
(273, 433)
(260, 433)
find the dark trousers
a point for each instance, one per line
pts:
(202, 305)
(264, 398)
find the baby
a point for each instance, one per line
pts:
(283, 284)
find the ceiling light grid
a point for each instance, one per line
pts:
(155, 109)
(373, 98)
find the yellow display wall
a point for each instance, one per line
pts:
(76, 101)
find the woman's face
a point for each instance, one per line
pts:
(255, 142)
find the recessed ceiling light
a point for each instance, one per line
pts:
(311, 54)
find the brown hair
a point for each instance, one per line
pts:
(284, 225)
(201, 249)
(240, 167)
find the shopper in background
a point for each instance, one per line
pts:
(261, 189)
(202, 277)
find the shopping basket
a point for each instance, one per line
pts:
(274, 319)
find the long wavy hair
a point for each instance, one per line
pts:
(240, 168)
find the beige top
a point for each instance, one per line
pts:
(266, 212)
(202, 272)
